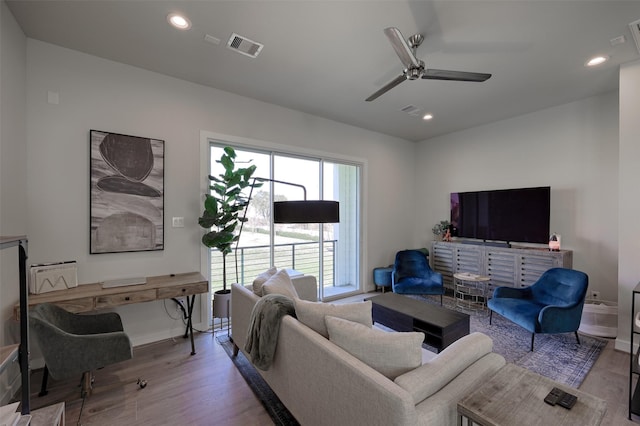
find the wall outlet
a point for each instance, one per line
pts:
(595, 294)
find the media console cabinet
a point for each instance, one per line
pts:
(513, 267)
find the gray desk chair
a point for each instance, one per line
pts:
(77, 344)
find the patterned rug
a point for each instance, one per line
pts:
(276, 409)
(557, 356)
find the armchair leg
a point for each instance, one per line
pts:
(86, 385)
(45, 377)
(533, 336)
(440, 300)
(577, 338)
(490, 316)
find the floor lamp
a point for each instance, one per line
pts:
(300, 211)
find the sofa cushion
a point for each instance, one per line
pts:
(280, 283)
(262, 278)
(391, 354)
(312, 314)
(432, 376)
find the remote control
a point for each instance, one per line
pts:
(563, 399)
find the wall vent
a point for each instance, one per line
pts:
(243, 45)
(411, 110)
(635, 30)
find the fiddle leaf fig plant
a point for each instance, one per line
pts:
(222, 207)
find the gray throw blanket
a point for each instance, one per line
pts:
(264, 325)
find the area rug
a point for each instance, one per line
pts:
(556, 356)
(276, 409)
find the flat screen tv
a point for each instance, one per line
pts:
(511, 215)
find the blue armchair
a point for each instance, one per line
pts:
(553, 304)
(412, 275)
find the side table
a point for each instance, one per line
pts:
(515, 396)
(471, 291)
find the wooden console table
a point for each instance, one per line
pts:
(90, 297)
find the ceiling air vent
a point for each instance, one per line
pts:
(635, 30)
(243, 45)
(411, 110)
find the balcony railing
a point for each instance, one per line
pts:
(252, 260)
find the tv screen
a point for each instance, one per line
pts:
(512, 215)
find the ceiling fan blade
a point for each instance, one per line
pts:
(401, 47)
(433, 74)
(393, 83)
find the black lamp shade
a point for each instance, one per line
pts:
(307, 211)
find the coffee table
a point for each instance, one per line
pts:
(515, 396)
(440, 326)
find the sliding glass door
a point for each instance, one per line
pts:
(330, 252)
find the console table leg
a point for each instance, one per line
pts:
(189, 330)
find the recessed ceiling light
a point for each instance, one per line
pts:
(179, 21)
(596, 60)
(427, 117)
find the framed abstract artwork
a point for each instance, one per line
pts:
(127, 193)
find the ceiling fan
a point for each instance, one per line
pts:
(414, 68)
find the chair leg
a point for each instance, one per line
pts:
(86, 384)
(45, 377)
(490, 316)
(533, 336)
(441, 300)
(577, 338)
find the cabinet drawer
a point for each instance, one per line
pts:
(185, 290)
(125, 298)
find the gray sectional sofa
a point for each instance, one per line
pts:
(322, 384)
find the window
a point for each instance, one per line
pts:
(330, 252)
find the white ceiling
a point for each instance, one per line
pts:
(326, 57)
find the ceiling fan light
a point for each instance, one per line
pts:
(179, 21)
(427, 117)
(596, 60)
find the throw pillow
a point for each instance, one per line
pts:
(391, 354)
(262, 278)
(280, 283)
(312, 314)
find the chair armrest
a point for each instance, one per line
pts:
(560, 319)
(511, 292)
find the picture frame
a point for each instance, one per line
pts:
(126, 193)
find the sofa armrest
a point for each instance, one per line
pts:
(433, 375)
(306, 286)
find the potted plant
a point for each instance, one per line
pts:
(442, 230)
(221, 216)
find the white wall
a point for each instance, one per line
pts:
(572, 147)
(13, 186)
(104, 95)
(629, 172)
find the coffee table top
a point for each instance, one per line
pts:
(422, 311)
(515, 396)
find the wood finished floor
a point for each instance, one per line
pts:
(207, 389)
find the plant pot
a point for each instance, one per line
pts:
(221, 303)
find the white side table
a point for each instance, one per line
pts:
(471, 291)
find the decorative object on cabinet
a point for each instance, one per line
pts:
(441, 229)
(127, 193)
(554, 242)
(23, 349)
(552, 305)
(412, 275)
